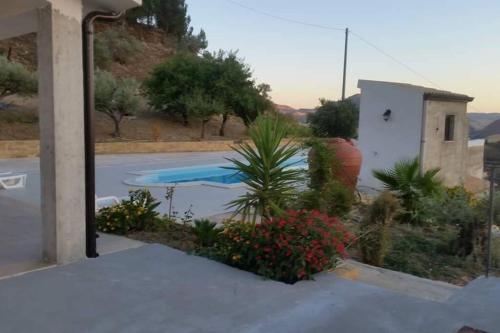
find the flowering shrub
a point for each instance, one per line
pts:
(137, 213)
(288, 249)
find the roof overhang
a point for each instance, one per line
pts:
(19, 17)
(429, 94)
(446, 97)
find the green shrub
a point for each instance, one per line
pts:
(424, 252)
(16, 79)
(288, 249)
(457, 208)
(325, 194)
(410, 185)
(374, 240)
(334, 199)
(137, 213)
(206, 232)
(115, 44)
(322, 163)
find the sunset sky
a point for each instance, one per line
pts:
(453, 43)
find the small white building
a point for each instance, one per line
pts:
(402, 121)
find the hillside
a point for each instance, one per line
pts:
(298, 114)
(20, 120)
(483, 125)
(155, 49)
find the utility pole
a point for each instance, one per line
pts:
(345, 62)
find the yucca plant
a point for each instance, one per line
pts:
(409, 184)
(265, 169)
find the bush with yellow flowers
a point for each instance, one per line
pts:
(137, 213)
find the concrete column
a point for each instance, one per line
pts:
(61, 131)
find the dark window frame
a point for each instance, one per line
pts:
(449, 127)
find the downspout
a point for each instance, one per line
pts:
(422, 136)
(89, 106)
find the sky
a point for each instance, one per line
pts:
(452, 44)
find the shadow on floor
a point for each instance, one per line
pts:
(21, 238)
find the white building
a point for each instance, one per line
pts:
(402, 121)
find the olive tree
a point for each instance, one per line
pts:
(116, 98)
(220, 77)
(15, 79)
(202, 107)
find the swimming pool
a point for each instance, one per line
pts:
(210, 175)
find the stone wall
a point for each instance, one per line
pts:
(475, 161)
(30, 148)
(449, 156)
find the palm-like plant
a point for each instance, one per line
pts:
(266, 171)
(409, 184)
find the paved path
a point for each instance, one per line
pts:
(157, 289)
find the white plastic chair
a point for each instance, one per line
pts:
(102, 202)
(9, 182)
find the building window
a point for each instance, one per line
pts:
(449, 128)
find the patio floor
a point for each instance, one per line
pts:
(20, 218)
(21, 238)
(154, 288)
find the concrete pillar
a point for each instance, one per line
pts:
(61, 131)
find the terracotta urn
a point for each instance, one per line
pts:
(348, 159)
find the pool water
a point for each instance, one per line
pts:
(217, 175)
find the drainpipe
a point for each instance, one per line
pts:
(89, 105)
(423, 133)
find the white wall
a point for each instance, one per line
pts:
(384, 143)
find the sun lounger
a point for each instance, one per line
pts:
(102, 202)
(8, 181)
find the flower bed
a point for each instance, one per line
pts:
(288, 248)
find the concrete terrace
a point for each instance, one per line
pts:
(157, 289)
(21, 221)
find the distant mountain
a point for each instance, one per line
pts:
(482, 125)
(299, 114)
(492, 129)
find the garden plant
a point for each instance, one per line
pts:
(265, 169)
(289, 248)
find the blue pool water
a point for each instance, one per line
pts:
(203, 174)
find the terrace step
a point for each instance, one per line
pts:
(482, 292)
(396, 281)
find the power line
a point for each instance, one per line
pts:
(324, 27)
(285, 19)
(399, 62)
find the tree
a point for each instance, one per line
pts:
(174, 79)
(171, 16)
(219, 76)
(16, 79)
(335, 119)
(243, 98)
(203, 107)
(116, 98)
